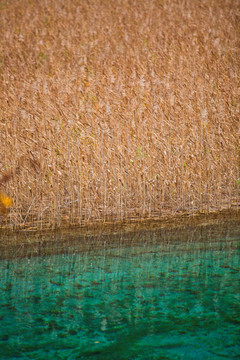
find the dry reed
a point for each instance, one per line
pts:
(116, 109)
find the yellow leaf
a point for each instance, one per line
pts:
(5, 203)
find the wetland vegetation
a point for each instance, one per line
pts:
(117, 110)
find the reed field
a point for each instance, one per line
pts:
(112, 110)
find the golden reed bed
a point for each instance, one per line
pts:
(114, 109)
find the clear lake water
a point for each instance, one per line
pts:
(146, 300)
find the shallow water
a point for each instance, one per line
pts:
(154, 300)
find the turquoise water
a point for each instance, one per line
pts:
(174, 300)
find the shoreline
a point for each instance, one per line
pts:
(198, 228)
(104, 227)
(8, 225)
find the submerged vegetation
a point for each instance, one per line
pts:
(116, 109)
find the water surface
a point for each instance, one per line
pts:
(151, 300)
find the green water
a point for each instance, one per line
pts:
(174, 300)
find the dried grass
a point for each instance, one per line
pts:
(116, 109)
